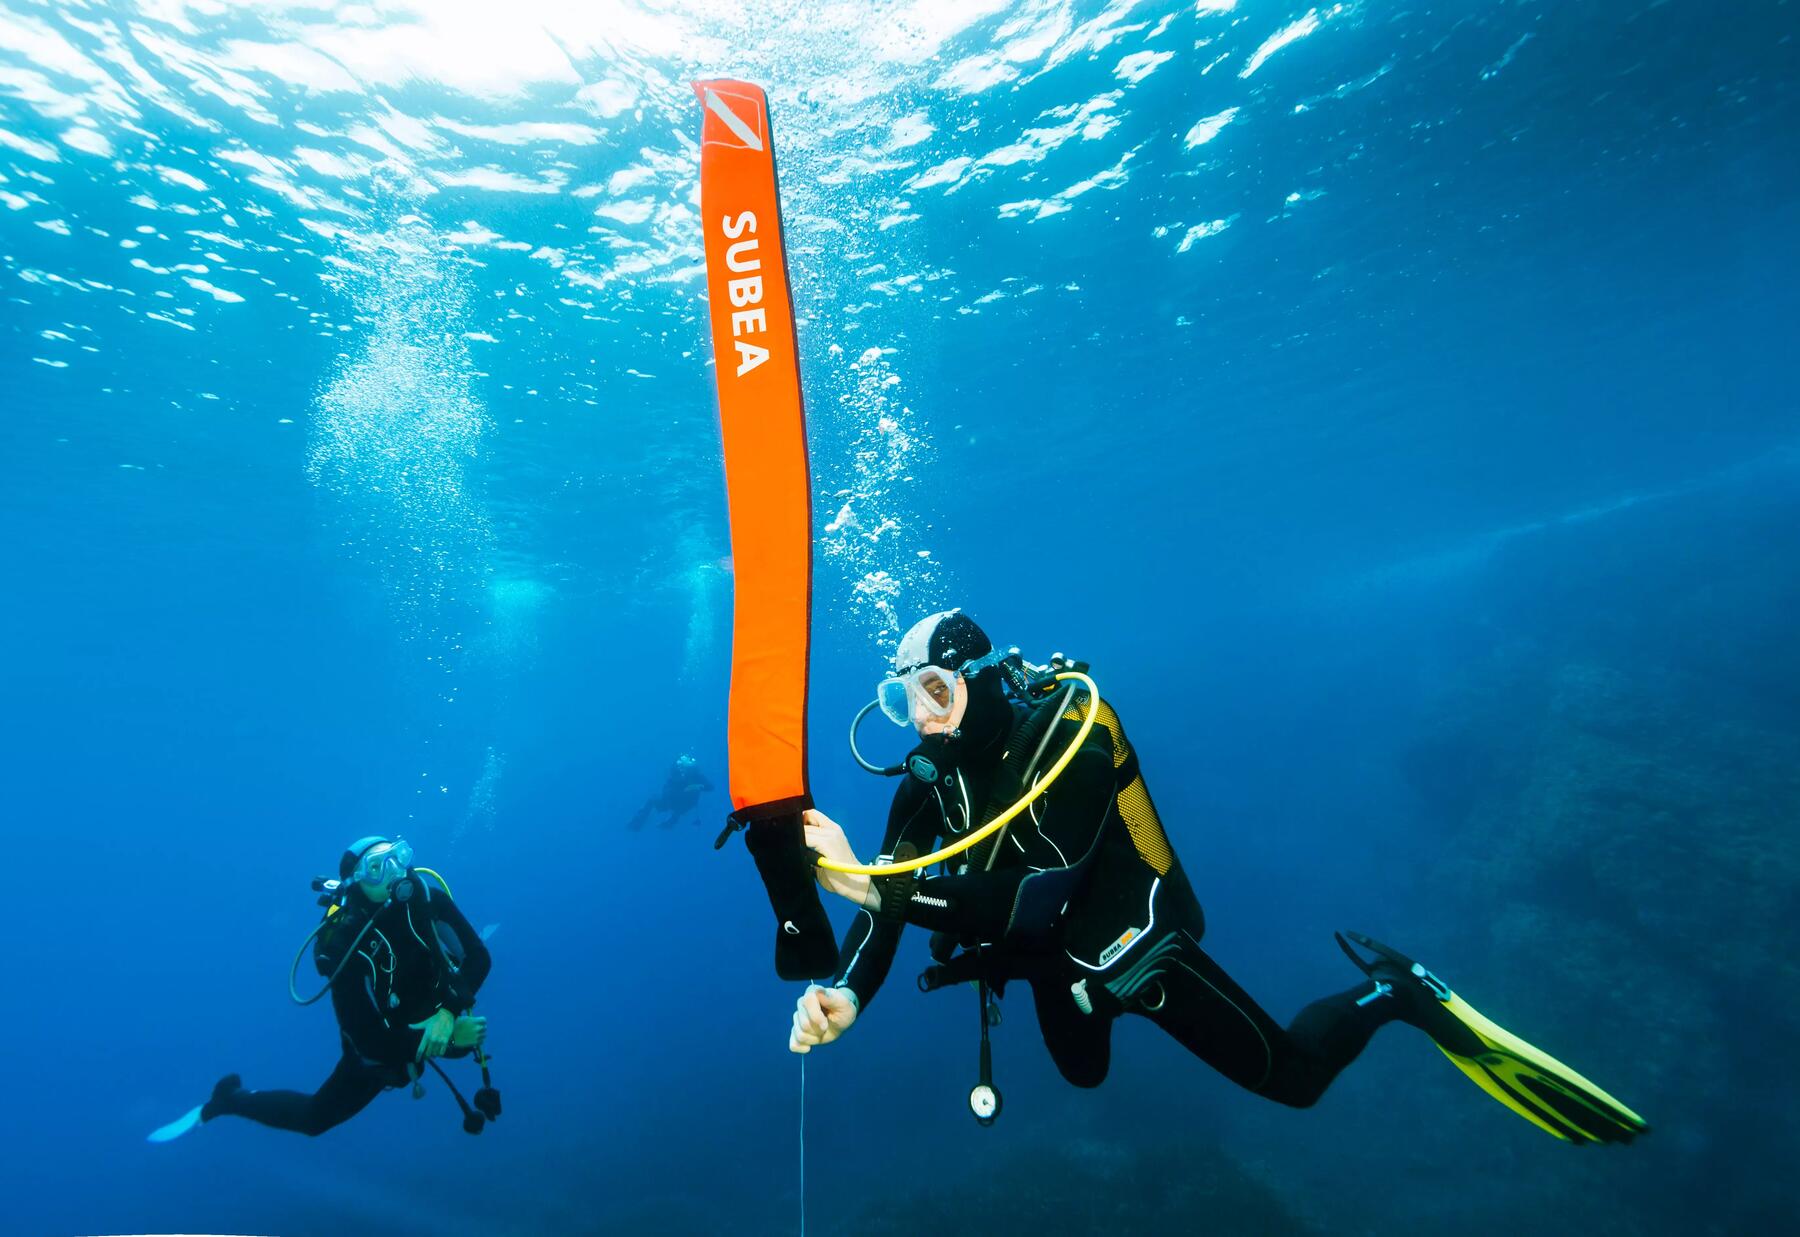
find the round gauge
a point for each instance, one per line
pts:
(984, 1102)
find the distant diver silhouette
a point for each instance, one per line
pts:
(679, 796)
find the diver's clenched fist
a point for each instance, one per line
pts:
(820, 1016)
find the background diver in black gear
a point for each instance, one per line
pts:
(680, 795)
(1085, 901)
(400, 987)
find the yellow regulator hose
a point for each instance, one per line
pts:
(999, 822)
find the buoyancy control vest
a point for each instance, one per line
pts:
(1099, 904)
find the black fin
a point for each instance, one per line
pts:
(1383, 953)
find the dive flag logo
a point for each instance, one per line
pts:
(726, 123)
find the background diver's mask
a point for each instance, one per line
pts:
(926, 690)
(384, 864)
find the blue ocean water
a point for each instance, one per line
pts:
(1396, 405)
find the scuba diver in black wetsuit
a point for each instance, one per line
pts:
(403, 968)
(1084, 899)
(680, 795)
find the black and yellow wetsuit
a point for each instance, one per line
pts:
(1086, 901)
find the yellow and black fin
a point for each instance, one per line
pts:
(1526, 1079)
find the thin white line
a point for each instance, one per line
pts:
(414, 930)
(859, 948)
(803, 1145)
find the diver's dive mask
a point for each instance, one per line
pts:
(926, 690)
(384, 864)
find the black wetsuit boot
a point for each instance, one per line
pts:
(224, 1094)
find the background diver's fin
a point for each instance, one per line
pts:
(805, 947)
(176, 1128)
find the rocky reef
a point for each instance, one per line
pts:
(1614, 770)
(1084, 1185)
